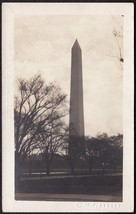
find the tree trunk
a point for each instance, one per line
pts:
(115, 168)
(90, 168)
(18, 168)
(72, 168)
(90, 165)
(30, 166)
(47, 169)
(17, 175)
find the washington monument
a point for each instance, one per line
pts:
(76, 124)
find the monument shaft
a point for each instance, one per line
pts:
(76, 93)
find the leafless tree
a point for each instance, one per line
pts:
(36, 107)
(51, 142)
(104, 150)
(73, 148)
(92, 152)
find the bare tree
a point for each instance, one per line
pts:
(73, 148)
(92, 152)
(104, 150)
(51, 141)
(94, 149)
(116, 152)
(36, 106)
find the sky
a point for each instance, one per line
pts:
(42, 44)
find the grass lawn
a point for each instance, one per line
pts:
(84, 184)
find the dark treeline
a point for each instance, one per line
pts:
(42, 138)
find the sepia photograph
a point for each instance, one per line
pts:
(68, 136)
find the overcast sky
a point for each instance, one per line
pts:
(43, 45)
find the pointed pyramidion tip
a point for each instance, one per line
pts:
(76, 44)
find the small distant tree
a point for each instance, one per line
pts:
(73, 148)
(116, 152)
(104, 150)
(104, 144)
(94, 149)
(92, 152)
(36, 106)
(51, 141)
(113, 151)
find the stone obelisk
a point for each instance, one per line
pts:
(76, 124)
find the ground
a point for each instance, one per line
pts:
(68, 197)
(105, 187)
